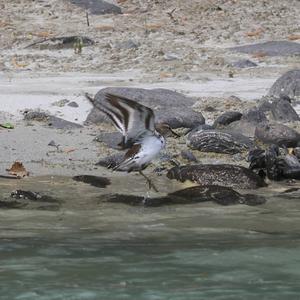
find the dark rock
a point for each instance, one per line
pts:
(218, 141)
(111, 161)
(227, 118)
(297, 152)
(96, 181)
(198, 128)
(278, 134)
(223, 175)
(12, 204)
(51, 121)
(283, 111)
(254, 115)
(188, 155)
(288, 85)
(65, 42)
(73, 104)
(32, 196)
(111, 139)
(98, 7)
(169, 107)
(274, 48)
(218, 194)
(244, 63)
(256, 157)
(243, 127)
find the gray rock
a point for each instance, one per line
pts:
(169, 106)
(73, 104)
(218, 141)
(273, 48)
(223, 175)
(98, 7)
(111, 139)
(227, 118)
(254, 115)
(218, 194)
(278, 134)
(49, 120)
(243, 127)
(129, 44)
(283, 111)
(64, 42)
(188, 155)
(243, 63)
(288, 85)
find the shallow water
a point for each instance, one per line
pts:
(90, 249)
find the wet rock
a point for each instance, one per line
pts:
(169, 107)
(243, 127)
(111, 139)
(73, 104)
(243, 63)
(32, 196)
(111, 161)
(287, 85)
(223, 175)
(283, 111)
(96, 181)
(65, 42)
(273, 48)
(218, 194)
(51, 121)
(98, 7)
(278, 134)
(297, 152)
(11, 204)
(227, 118)
(218, 141)
(188, 155)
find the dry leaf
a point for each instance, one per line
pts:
(165, 75)
(17, 64)
(254, 33)
(294, 37)
(17, 169)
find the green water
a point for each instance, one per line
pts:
(89, 249)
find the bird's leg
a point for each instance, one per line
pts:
(150, 183)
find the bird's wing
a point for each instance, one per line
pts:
(128, 116)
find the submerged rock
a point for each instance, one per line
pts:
(32, 196)
(273, 48)
(278, 134)
(96, 181)
(218, 194)
(223, 175)
(170, 107)
(218, 141)
(287, 85)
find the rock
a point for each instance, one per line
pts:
(218, 141)
(11, 204)
(111, 139)
(283, 111)
(169, 107)
(243, 127)
(218, 194)
(96, 181)
(287, 85)
(278, 134)
(297, 152)
(227, 118)
(129, 44)
(111, 161)
(64, 42)
(73, 104)
(254, 115)
(188, 155)
(243, 63)
(223, 175)
(273, 48)
(32, 196)
(98, 7)
(60, 103)
(51, 121)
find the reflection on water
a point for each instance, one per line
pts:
(226, 266)
(89, 249)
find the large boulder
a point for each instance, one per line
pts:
(169, 106)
